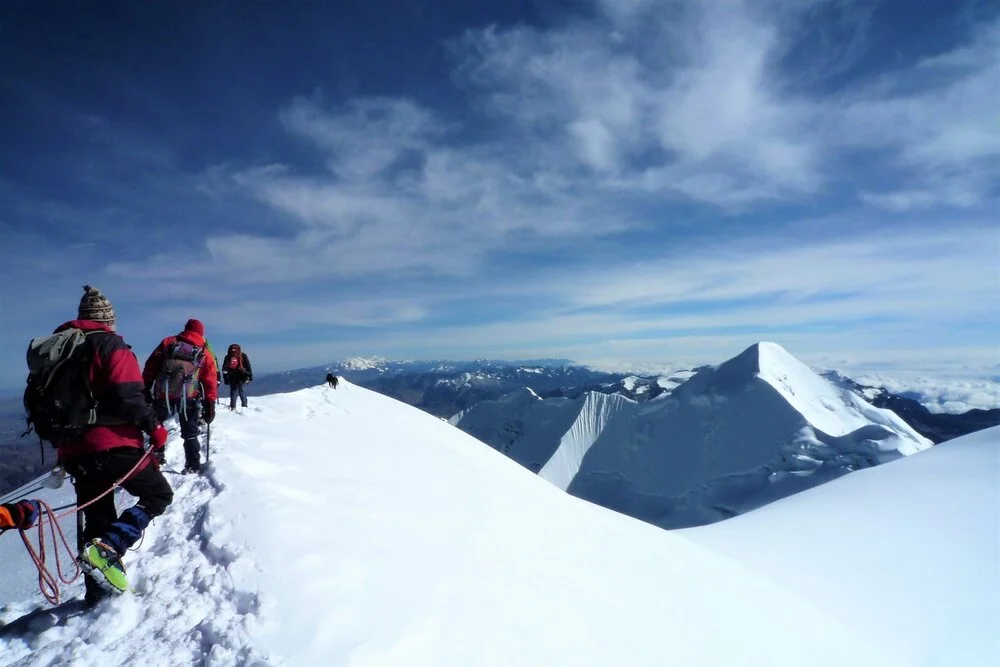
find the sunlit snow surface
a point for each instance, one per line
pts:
(340, 527)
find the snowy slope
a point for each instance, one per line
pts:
(733, 437)
(345, 528)
(908, 551)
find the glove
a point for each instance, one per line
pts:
(24, 513)
(208, 411)
(158, 438)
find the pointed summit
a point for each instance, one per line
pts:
(761, 359)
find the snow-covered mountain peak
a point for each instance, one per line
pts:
(364, 363)
(823, 405)
(734, 436)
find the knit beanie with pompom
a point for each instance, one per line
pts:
(95, 306)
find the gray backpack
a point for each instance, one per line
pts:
(58, 398)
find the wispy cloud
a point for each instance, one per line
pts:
(691, 99)
(940, 122)
(368, 136)
(397, 198)
(605, 126)
(682, 101)
(887, 271)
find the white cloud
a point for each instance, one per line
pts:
(951, 395)
(700, 83)
(958, 193)
(367, 136)
(256, 316)
(697, 88)
(937, 123)
(861, 275)
(596, 144)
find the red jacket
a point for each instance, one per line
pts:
(117, 386)
(208, 374)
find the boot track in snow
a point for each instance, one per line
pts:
(185, 598)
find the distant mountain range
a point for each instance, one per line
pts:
(445, 388)
(733, 437)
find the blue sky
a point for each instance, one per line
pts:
(604, 181)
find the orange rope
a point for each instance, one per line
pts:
(47, 583)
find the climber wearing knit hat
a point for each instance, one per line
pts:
(109, 447)
(182, 378)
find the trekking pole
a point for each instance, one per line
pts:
(208, 430)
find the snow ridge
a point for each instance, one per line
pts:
(596, 415)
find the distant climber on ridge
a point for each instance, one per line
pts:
(236, 372)
(331, 380)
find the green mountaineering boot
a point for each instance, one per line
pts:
(104, 564)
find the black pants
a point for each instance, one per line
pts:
(93, 475)
(189, 418)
